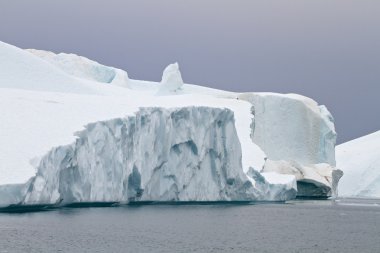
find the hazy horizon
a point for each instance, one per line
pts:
(326, 50)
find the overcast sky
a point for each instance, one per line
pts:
(328, 50)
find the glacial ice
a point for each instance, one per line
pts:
(360, 161)
(315, 180)
(292, 127)
(171, 80)
(304, 146)
(11, 194)
(289, 128)
(184, 154)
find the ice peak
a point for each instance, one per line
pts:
(171, 79)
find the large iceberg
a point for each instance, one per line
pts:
(185, 154)
(252, 145)
(360, 161)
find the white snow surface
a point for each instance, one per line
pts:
(84, 68)
(34, 121)
(359, 159)
(45, 98)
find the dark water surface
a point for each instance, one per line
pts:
(297, 226)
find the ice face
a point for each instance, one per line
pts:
(12, 194)
(185, 154)
(292, 127)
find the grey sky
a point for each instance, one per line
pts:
(328, 50)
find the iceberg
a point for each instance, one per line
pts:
(360, 161)
(142, 141)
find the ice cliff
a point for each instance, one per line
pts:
(184, 154)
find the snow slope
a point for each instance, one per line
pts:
(84, 68)
(21, 70)
(360, 161)
(45, 98)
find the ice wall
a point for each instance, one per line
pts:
(292, 127)
(298, 137)
(185, 154)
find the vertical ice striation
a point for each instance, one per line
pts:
(184, 154)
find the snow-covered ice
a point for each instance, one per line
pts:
(171, 80)
(298, 137)
(360, 161)
(84, 68)
(292, 127)
(45, 98)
